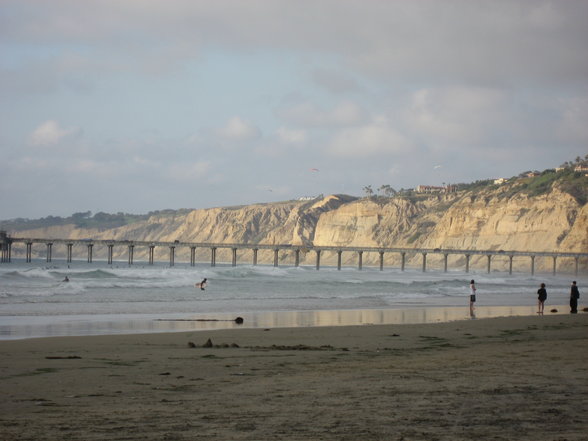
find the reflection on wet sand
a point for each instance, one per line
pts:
(380, 316)
(100, 325)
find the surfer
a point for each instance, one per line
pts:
(201, 285)
(66, 279)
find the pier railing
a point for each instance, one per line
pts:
(6, 243)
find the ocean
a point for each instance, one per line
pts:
(118, 298)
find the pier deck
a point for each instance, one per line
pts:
(6, 243)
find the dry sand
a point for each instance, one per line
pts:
(518, 378)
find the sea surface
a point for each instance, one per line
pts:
(118, 298)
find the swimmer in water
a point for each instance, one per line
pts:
(201, 285)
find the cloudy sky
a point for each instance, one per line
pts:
(140, 105)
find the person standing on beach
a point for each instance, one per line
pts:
(472, 296)
(542, 292)
(574, 296)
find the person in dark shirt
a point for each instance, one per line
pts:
(542, 292)
(574, 296)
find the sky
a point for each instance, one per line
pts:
(141, 105)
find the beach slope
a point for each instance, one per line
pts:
(522, 378)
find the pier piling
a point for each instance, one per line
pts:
(6, 253)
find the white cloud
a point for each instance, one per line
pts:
(97, 168)
(517, 42)
(376, 138)
(334, 81)
(308, 114)
(188, 171)
(238, 129)
(50, 133)
(500, 85)
(456, 117)
(291, 136)
(32, 165)
(512, 41)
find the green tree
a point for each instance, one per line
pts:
(387, 190)
(368, 191)
(81, 215)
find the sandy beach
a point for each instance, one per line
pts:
(513, 378)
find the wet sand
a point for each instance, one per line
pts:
(511, 378)
(19, 327)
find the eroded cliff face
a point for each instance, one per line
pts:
(367, 223)
(484, 220)
(540, 223)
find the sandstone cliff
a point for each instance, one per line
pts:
(488, 220)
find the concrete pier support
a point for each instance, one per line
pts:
(5, 248)
(192, 256)
(28, 243)
(29, 252)
(172, 255)
(151, 254)
(131, 254)
(110, 253)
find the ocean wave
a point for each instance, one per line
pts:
(93, 274)
(29, 273)
(98, 287)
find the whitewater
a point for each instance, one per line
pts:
(35, 301)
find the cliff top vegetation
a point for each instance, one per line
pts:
(571, 177)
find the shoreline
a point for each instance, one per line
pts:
(12, 328)
(499, 378)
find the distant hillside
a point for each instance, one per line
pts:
(545, 211)
(84, 220)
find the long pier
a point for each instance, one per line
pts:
(6, 243)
